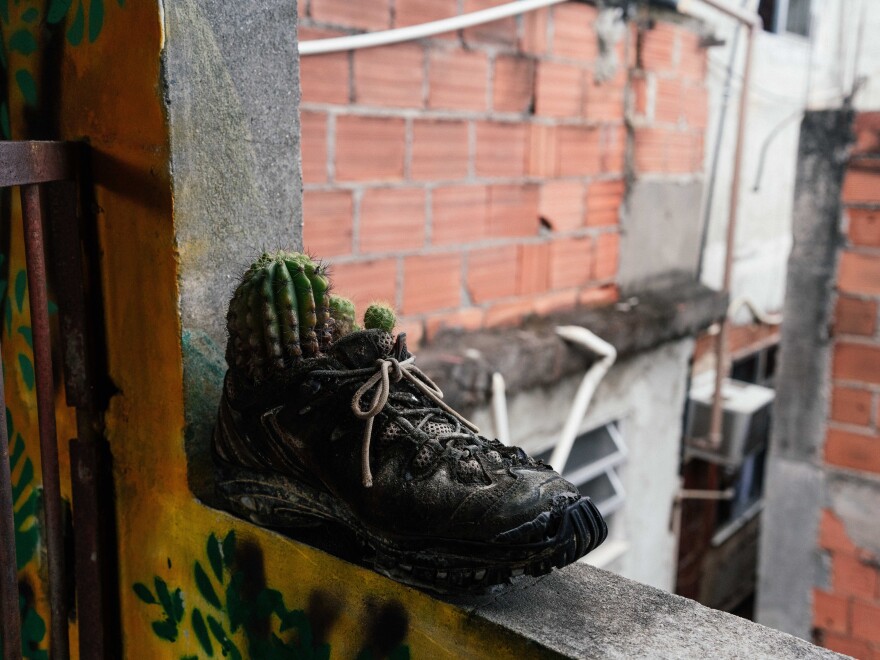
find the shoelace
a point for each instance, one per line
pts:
(391, 370)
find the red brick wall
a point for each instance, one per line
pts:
(847, 615)
(473, 178)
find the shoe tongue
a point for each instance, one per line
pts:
(361, 349)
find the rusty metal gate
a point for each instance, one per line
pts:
(55, 211)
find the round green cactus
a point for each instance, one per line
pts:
(380, 316)
(342, 313)
(278, 314)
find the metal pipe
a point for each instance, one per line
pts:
(499, 409)
(412, 32)
(39, 303)
(10, 621)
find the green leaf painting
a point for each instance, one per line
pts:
(96, 19)
(57, 10)
(25, 332)
(26, 86)
(20, 289)
(77, 28)
(214, 556)
(22, 41)
(27, 370)
(30, 15)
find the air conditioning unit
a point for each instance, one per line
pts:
(746, 420)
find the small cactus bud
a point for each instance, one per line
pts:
(379, 316)
(342, 312)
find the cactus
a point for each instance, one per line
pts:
(278, 314)
(342, 313)
(379, 316)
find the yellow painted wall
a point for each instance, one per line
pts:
(186, 571)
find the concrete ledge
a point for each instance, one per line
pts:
(532, 355)
(584, 612)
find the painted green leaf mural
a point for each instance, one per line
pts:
(4, 11)
(26, 86)
(30, 15)
(96, 19)
(22, 41)
(25, 332)
(201, 631)
(25, 509)
(77, 28)
(203, 582)
(57, 10)
(214, 556)
(20, 289)
(143, 592)
(27, 370)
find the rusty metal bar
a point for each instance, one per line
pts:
(39, 303)
(10, 621)
(26, 163)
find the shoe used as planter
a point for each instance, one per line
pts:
(355, 434)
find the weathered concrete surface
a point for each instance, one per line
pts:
(533, 356)
(584, 612)
(232, 97)
(231, 76)
(660, 241)
(789, 563)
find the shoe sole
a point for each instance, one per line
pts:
(440, 565)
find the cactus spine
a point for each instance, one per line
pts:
(342, 312)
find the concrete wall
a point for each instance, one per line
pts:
(646, 394)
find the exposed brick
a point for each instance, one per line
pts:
(603, 202)
(534, 268)
(853, 450)
(327, 222)
(508, 313)
(369, 148)
(845, 644)
(650, 149)
(867, 130)
(857, 362)
(534, 34)
(501, 149)
(570, 262)
(578, 150)
(559, 90)
(854, 316)
(501, 32)
(603, 295)
(458, 79)
(604, 101)
(669, 100)
(513, 84)
(641, 92)
(555, 301)
(415, 332)
(392, 219)
(850, 576)
(389, 76)
(830, 612)
(414, 12)
(656, 47)
(574, 35)
(613, 149)
(513, 210)
(607, 256)
(470, 318)
(866, 621)
(692, 57)
(542, 157)
(562, 204)
(459, 214)
(861, 185)
(859, 273)
(832, 533)
(367, 281)
(323, 78)
(696, 106)
(851, 406)
(431, 283)
(492, 273)
(684, 152)
(373, 15)
(313, 145)
(864, 226)
(439, 150)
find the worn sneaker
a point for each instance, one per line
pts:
(361, 437)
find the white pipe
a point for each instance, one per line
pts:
(767, 318)
(499, 409)
(594, 375)
(412, 32)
